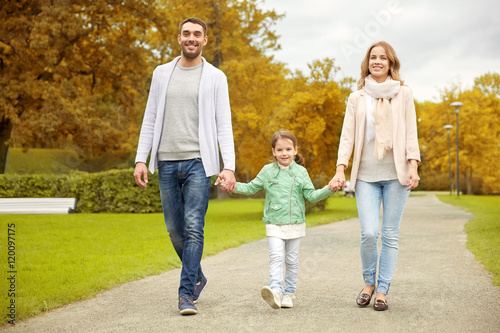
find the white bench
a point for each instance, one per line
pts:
(37, 205)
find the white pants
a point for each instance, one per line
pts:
(287, 249)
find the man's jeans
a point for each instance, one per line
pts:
(289, 248)
(185, 189)
(368, 199)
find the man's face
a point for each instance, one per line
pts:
(192, 39)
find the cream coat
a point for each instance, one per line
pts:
(404, 134)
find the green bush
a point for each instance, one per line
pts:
(112, 191)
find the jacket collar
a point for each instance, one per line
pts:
(276, 168)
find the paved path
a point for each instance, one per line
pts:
(437, 287)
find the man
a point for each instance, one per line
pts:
(187, 119)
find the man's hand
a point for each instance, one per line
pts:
(226, 178)
(140, 173)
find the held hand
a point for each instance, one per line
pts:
(140, 173)
(224, 186)
(337, 182)
(227, 180)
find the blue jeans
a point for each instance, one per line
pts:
(184, 190)
(369, 196)
(287, 249)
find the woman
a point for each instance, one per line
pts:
(380, 123)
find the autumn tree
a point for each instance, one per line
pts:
(489, 84)
(256, 90)
(73, 73)
(314, 111)
(433, 169)
(237, 30)
(479, 130)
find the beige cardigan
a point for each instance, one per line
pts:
(405, 141)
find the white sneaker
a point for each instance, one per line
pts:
(271, 297)
(287, 301)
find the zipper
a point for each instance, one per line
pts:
(301, 211)
(291, 195)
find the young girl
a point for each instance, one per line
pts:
(286, 183)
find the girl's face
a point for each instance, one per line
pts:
(284, 151)
(378, 64)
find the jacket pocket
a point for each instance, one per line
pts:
(275, 207)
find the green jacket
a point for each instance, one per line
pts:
(285, 192)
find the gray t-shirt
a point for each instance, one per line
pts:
(180, 139)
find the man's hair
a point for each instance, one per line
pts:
(194, 20)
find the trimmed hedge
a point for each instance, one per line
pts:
(111, 191)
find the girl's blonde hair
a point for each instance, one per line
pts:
(394, 63)
(284, 134)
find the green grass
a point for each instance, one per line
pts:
(483, 231)
(47, 161)
(64, 258)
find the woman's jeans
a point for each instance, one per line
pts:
(184, 190)
(393, 196)
(289, 248)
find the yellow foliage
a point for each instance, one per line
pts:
(479, 138)
(76, 75)
(264, 100)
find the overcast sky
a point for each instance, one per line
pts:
(439, 42)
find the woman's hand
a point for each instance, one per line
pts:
(413, 178)
(338, 181)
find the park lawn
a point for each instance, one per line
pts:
(64, 258)
(483, 231)
(47, 161)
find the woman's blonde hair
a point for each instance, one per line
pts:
(394, 63)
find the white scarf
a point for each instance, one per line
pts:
(383, 93)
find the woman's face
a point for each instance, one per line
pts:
(378, 64)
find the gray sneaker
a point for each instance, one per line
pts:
(198, 288)
(186, 305)
(272, 297)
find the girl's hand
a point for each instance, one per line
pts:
(225, 186)
(226, 176)
(335, 186)
(337, 182)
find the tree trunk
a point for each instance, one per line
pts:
(218, 39)
(5, 130)
(469, 182)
